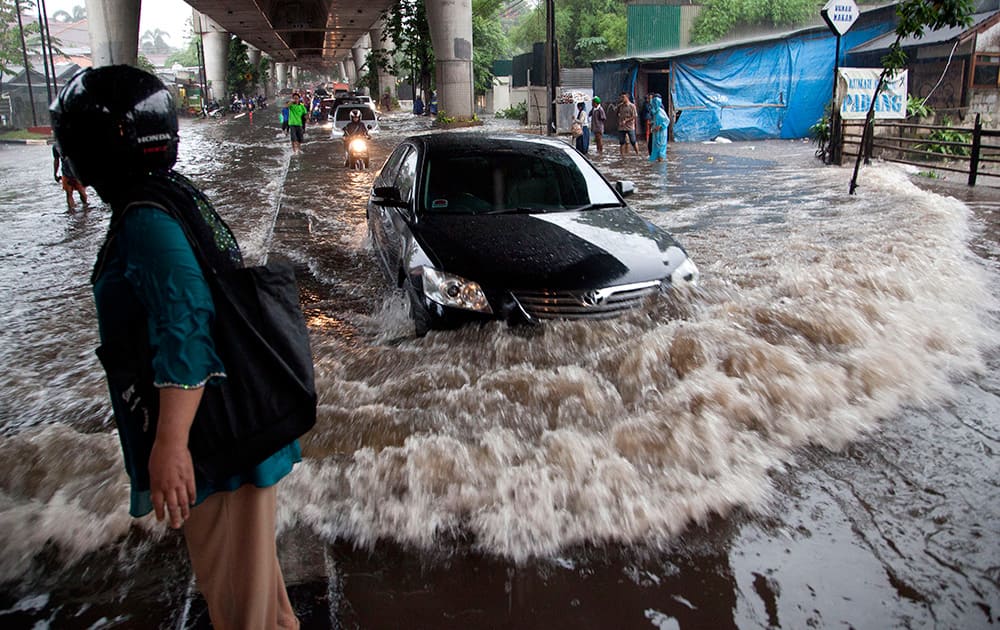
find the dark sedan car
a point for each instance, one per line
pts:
(520, 228)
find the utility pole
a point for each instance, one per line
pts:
(551, 61)
(46, 45)
(27, 68)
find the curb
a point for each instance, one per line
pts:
(26, 141)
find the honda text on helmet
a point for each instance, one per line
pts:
(115, 122)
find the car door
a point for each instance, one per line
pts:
(379, 216)
(397, 226)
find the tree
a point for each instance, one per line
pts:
(585, 30)
(241, 76)
(143, 63)
(79, 14)
(188, 56)
(915, 16)
(720, 18)
(406, 25)
(155, 42)
(11, 51)
(489, 42)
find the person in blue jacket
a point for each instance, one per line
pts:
(660, 122)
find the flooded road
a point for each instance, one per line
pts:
(809, 440)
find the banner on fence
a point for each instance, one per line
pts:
(856, 86)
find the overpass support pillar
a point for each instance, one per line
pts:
(295, 78)
(281, 74)
(359, 53)
(451, 33)
(215, 41)
(386, 81)
(114, 31)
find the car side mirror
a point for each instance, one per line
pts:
(625, 187)
(369, 126)
(388, 196)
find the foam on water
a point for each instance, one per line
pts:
(810, 333)
(807, 330)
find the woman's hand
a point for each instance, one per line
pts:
(171, 471)
(171, 477)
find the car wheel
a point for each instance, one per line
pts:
(418, 313)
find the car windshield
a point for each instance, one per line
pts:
(534, 180)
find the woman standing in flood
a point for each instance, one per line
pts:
(660, 122)
(117, 127)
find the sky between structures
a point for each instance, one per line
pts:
(171, 16)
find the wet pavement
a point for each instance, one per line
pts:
(811, 441)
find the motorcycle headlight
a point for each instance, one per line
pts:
(686, 273)
(455, 291)
(358, 144)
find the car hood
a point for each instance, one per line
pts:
(558, 250)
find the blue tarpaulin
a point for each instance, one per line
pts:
(774, 87)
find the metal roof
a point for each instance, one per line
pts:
(940, 36)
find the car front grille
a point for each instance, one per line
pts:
(591, 304)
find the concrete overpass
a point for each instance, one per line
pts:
(316, 34)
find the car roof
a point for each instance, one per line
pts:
(474, 142)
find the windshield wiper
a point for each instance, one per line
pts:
(519, 210)
(597, 206)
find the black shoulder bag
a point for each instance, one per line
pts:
(268, 398)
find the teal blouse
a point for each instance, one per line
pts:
(150, 271)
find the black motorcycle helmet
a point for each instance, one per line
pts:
(114, 122)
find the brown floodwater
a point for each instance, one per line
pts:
(808, 440)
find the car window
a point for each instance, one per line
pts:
(407, 176)
(388, 173)
(510, 179)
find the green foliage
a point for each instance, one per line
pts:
(242, 77)
(938, 136)
(23, 134)
(188, 57)
(720, 18)
(489, 42)
(143, 63)
(515, 112)
(585, 30)
(917, 107)
(821, 132)
(10, 35)
(443, 118)
(406, 26)
(369, 72)
(917, 16)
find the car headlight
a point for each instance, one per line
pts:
(686, 273)
(455, 291)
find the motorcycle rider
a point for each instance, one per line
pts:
(352, 129)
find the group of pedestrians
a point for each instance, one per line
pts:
(654, 118)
